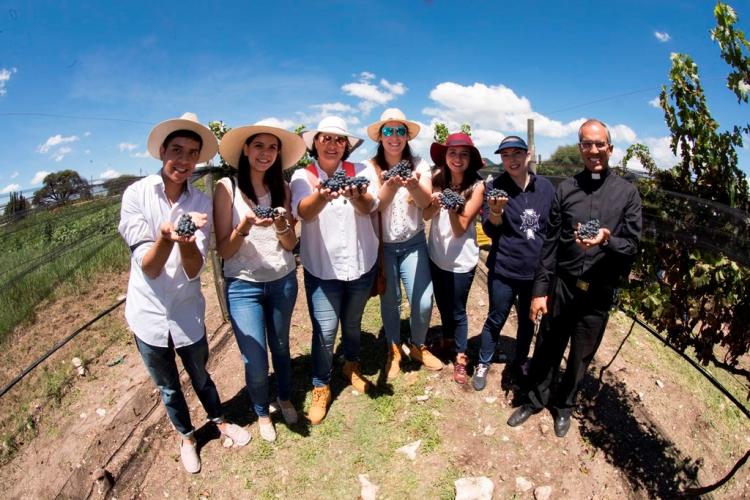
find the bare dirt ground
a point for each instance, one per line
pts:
(645, 429)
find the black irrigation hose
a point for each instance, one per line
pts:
(695, 365)
(57, 346)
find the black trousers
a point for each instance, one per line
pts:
(577, 316)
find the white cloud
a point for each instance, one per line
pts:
(5, 75)
(87, 151)
(126, 146)
(371, 94)
(662, 36)
(367, 92)
(142, 154)
(394, 88)
(61, 153)
(654, 103)
(623, 133)
(9, 188)
(55, 140)
(14, 175)
(86, 134)
(492, 108)
(39, 177)
(660, 150)
(109, 174)
(272, 121)
(328, 108)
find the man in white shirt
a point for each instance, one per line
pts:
(165, 307)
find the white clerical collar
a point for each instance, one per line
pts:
(596, 177)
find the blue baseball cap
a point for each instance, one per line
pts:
(512, 141)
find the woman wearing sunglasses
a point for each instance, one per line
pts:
(454, 253)
(402, 197)
(338, 249)
(259, 268)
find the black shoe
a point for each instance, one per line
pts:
(522, 414)
(562, 424)
(479, 380)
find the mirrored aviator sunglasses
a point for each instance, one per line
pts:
(389, 131)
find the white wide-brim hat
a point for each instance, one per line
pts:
(392, 115)
(188, 121)
(331, 125)
(292, 145)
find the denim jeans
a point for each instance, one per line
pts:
(502, 292)
(328, 302)
(451, 294)
(161, 365)
(409, 262)
(261, 313)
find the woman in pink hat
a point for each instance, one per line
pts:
(406, 189)
(458, 192)
(256, 244)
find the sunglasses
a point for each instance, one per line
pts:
(389, 131)
(336, 139)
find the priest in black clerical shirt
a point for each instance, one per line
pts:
(578, 273)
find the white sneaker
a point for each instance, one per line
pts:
(288, 411)
(238, 435)
(267, 431)
(189, 455)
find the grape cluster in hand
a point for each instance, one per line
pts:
(340, 181)
(265, 212)
(401, 169)
(452, 200)
(495, 193)
(589, 230)
(186, 226)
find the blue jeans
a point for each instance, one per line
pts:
(261, 313)
(451, 295)
(161, 365)
(330, 301)
(409, 262)
(502, 292)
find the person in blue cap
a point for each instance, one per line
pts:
(515, 218)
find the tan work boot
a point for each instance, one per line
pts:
(421, 354)
(321, 398)
(393, 363)
(352, 373)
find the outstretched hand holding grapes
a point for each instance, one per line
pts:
(174, 233)
(590, 234)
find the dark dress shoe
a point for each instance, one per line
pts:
(522, 414)
(562, 424)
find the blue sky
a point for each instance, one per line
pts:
(82, 83)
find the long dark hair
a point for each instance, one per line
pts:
(273, 178)
(379, 158)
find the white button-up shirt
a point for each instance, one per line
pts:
(340, 242)
(170, 304)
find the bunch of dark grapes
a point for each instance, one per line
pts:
(495, 193)
(452, 200)
(340, 181)
(265, 212)
(401, 169)
(589, 230)
(337, 182)
(186, 226)
(358, 182)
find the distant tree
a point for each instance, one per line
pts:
(466, 128)
(118, 185)
(62, 187)
(17, 205)
(565, 161)
(219, 128)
